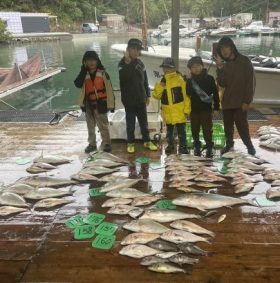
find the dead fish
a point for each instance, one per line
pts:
(207, 178)
(183, 259)
(50, 202)
(43, 193)
(245, 180)
(167, 254)
(98, 170)
(183, 178)
(137, 251)
(42, 181)
(272, 176)
(44, 165)
(162, 245)
(232, 154)
(249, 158)
(52, 159)
(190, 248)
(190, 227)
(180, 236)
(12, 199)
(207, 185)
(247, 164)
(241, 170)
(149, 260)
(118, 184)
(116, 201)
(166, 215)
(187, 190)
(221, 218)
(145, 200)
(126, 193)
(243, 187)
(204, 201)
(83, 177)
(275, 183)
(273, 193)
(8, 210)
(179, 184)
(163, 267)
(20, 189)
(134, 213)
(35, 170)
(108, 156)
(120, 209)
(145, 226)
(102, 162)
(139, 238)
(273, 143)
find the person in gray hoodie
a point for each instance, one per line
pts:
(235, 73)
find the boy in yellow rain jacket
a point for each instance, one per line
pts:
(175, 104)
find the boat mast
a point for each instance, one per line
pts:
(144, 26)
(175, 31)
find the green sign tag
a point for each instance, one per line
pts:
(74, 221)
(143, 159)
(103, 242)
(263, 201)
(83, 232)
(23, 161)
(223, 170)
(95, 192)
(94, 218)
(106, 228)
(156, 165)
(166, 204)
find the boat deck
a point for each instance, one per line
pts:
(37, 246)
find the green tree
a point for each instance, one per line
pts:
(202, 9)
(4, 34)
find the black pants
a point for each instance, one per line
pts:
(202, 119)
(131, 113)
(239, 118)
(181, 134)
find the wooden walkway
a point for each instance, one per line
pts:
(37, 246)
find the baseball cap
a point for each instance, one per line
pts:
(168, 63)
(194, 60)
(135, 42)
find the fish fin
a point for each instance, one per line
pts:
(205, 214)
(228, 206)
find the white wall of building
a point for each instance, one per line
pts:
(13, 20)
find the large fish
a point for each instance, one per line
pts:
(20, 189)
(166, 215)
(145, 200)
(7, 210)
(163, 267)
(243, 187)
(273, 143)
(108, 156)
(43, 193)
(84, 177)
(126, 193)
(137, 251)
(42, 181)
(275, 183)
(118, 184)
(273, 193)
(52, 159)
(204, 201)
(50, 202)
(190, 227)
(145, 226)
(207, 185)
(162, 245)
(98, 170)
(180, 236)
(120, 209)
(116, 201)
(139, 238)
(137, 211)
(149, 260)
(12, 199)
(190, 248)
(167, 254)
(102, 162)
(246, 164)
(183, 259)
(33, 169)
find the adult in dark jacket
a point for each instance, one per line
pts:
(135, 93)
(202, 89)
(235, 73)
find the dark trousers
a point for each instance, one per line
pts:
(131, 113)
(239, 117)
(202, 119)
(181, 131)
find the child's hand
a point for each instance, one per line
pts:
(219, 62)
(188, 74)
(127, 58)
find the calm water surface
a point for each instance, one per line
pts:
(59, 93)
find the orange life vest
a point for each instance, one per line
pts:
(95, 89)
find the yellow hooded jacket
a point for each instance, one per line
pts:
(175, 103)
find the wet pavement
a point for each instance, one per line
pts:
(36, 246)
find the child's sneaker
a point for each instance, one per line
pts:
(150, 145)
(130, 148)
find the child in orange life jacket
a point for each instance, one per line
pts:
(175, 104)
(96, 99)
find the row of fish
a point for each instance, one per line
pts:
(269, 137)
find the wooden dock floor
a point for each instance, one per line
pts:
(37, 246)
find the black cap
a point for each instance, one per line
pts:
(91, 55)
(168, 63)
(195, 60)
(135, 42)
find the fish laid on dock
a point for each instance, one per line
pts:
(145, 226)
(273, 193)
(50, 202)
(165, 268)
(116, 201)
(12, 199)
(138, 251)
(42, 181)
(8, 210)
(118, 184)
(139, 238)
(52, 159)
(126, 193)
(43, 193)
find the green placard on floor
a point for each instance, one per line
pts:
(94, 218)
(106, 228)
(83, 232)
(22, 161)
(104, 242)
(95, 192)
(74, 221)
(263, 201)
(156, 165)
(223, 170)
(143, 159)
(166, 204)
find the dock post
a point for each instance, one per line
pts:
(175, 31)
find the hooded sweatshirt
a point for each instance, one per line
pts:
(237, 77)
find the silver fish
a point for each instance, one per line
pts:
(139, 238)
(126, 193)
(166, 215)
(241, 170)
(162, 245)
(134, 213)
(242, 180)
(52, 159)
(108, 156)
(145, 200)
(190, 248)
(165, 268)
(247, 164)
(35, 170)
(149, 260)
(167, 254)
(204, 201)
(183, 259)
(207, 185)
(98, 170)
(41, 181)
(207, 178)
(7, 210)
(102, 162)
(232, 154)
(83, 177)
(145, 226)
(190, 227)
(118, 184)
(50, 202)
(187, 190)
(137, 251)
(120, 209)
(44, 165)
(179, 236)
(179, 184)
(43, 193)
(11, 199)
(116, 201)
(275, 183)
(20, 189)
(243, 187)
(273, 193)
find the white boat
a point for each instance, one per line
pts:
(223, 31)
(256, 28)
(268, 79)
